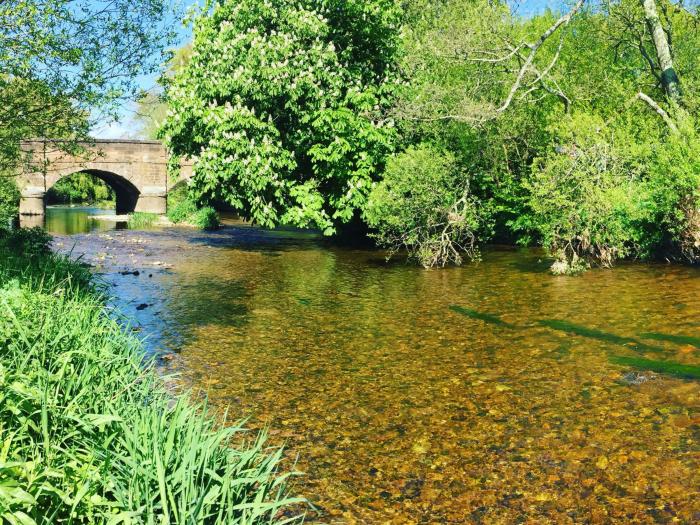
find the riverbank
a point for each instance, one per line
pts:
(90, 433)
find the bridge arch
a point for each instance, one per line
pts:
(137, 170)
(126, 193)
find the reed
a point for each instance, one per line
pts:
(139, 220)
(88, 432)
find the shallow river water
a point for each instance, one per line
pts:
(492, 393)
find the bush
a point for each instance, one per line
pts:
(587, 199)
(602, 195)
(183, 209)
(205, 218)
(139, 220)
(90, 434)
(30, 242)
(674, 185)
(9, 200)
(180, 205)
(424, 205)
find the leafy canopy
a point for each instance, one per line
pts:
(282, 106)
(590, 157)
(64, 63)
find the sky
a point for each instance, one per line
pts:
(127, 128)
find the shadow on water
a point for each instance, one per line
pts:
(677, 339)
(661, 367)
(256, 240)
(592, 333)
(481, 316)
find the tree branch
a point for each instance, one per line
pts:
(659, 110)
(562, 21)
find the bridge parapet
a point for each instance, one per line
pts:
(135, 169)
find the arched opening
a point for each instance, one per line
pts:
(81, 189)
(125, 194)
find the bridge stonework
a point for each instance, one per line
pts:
(135, 170)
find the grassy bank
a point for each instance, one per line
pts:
(88, 433)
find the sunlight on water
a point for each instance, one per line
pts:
(492, 393)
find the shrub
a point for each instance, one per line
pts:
(674, 185)
(139, 220)
(180, 205)
(424, 205)
(588, 199)
(30, 242)
(183, 209)
(603, 194)
(205, 218)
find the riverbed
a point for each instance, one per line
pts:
(491, 393)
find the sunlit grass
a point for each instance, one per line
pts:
(88, 433)
(139, 219)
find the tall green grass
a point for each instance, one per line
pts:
(88, 433)
(140, 219)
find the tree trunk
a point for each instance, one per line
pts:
(669, 78)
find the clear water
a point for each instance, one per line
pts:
(69, 220)
(491, 393)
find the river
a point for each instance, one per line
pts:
(490, 393)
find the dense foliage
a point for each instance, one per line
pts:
(281, 106)
(89, 435)
(570, 132)
(575, 129)
(80, 188)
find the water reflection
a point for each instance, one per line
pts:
(492, 393)
(68, 220)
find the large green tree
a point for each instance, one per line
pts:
(282, 106)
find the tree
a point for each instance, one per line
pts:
(548, 115)
(282, 106)
(65, 63)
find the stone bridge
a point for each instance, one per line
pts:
(135, 169)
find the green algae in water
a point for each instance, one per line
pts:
(678, 339)
(481, 316)
(592, 333)
(661, 367)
